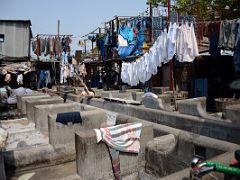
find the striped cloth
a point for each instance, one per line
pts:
(124, 138)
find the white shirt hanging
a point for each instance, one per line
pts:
(163, 48)
(189, 49)
(172, 40)
(20, 79)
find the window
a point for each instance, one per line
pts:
(1, 38)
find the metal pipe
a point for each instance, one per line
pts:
(150, 10)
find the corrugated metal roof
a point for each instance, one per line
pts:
(20, 21)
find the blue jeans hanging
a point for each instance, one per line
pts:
(43, 79)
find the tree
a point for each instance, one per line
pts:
(204, 9)
(156, 3)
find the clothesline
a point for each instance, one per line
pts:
(183, 46)
(205, 22)
(91, 32)
(54, 35)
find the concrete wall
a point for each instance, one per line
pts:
(61, 135)
(233, 113)
(117, 94)
(135, 94)
(195, 106)
(32, 102)
(19, 98)
(211, 127)
(23, 100)
(2, 167)
(93, 161)
(168, 154)
(156, 103)
(179, 148)
(222, 103)
(41, 113)
(74, 97)
(30, 158)
(160, 90)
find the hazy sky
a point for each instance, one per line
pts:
(77, 17)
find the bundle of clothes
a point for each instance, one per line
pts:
(8, 96)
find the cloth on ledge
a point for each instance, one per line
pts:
(124, 138)
(69, 117)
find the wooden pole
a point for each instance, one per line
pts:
(120, 63)
(171, 62)
(38, 47)
(169, 10)
(58, 33)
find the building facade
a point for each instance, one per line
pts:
(15, 39)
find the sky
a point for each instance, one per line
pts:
(77, 17)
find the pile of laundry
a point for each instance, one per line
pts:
(16, 67)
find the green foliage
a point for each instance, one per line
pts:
(156, 3)
(204, 9)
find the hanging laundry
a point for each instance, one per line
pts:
(172, 35)
(152, 62)
(40, 46)
(20, 79)
(236, 54)
(58, 47)
(236, 60)
(44, 78)
(64, 71)
(179, 40)
(187, 49)
(140, 39)
(125, 51)
(34, 45)
(225, 33)
(229, 38)
(43, 45)
(237, 34)
(108, 38)
(135, 32)
(122, 41)
(102, 48)
(126, 33)
(162, 48)
(71, 70)
(47, 49)
(82, 70)
(214, 31)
